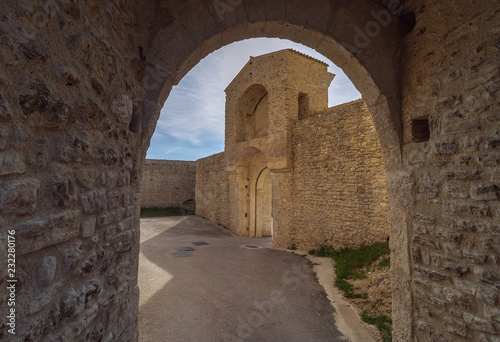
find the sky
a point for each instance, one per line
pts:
(191, 123)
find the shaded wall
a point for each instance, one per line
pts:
(212, 190)
(452, 79)
(70, 98)
(167, 183)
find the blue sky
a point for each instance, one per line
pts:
(191, 124)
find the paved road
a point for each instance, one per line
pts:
(226, 291)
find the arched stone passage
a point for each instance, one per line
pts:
(333, 32)
(82, 85)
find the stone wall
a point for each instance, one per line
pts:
(339, 192)
(212, 190)
(336, 193)
(70, 87)
(167, 183)
(453, 81)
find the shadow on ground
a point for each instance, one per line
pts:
(224, 291)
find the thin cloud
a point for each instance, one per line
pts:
(193, 115)
(170, 151)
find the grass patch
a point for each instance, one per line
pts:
(385, 262)
(162, 212)
(353, 264)
(382, 322)
(348, 290)
(322, 251)
(293, 247)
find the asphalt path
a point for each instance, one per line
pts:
(231, 289)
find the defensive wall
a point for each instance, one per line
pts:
(338, 187)
(167, 183)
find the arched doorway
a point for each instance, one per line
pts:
(259, 197)
(264, 204)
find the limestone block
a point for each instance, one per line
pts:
(72, 303)
(63, 192)
(491, 244)
(459, 126)
(5, 113)
(463, 174)
(89, 263)
(492, 142)
(84, 322)
(485, 192)
(93, 202)
(476, 258)
(493, 314)
(490, 159)
(485, 294)
(68, 76)
(456, 191)
(426, 242)
(466, 225)
(5, 132)
(457, 327)
(39, 155)
(49, 230)
(447, 147)
(72, 255)
(452, 249)
(87, 227)
(12, 162)
(467, 208)
(449, 264)
(40, 297)
(454, 296)
(87, 178)
(19, 196)
(76, 151)
(446, 234)
(122, 107)
(423, 218)
(479, 323)
(447, 103)
(116, 199)
(432, 275)
(46, 270)
(429, 298)
(54, 316)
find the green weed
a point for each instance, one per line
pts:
(352, 264)
(385, 262)
(382, 322)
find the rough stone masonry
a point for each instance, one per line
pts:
(329, 157)
(167, 183)
(81, 85)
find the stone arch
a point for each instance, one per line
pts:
(253, 113)
(245, 176)
(331, 28)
